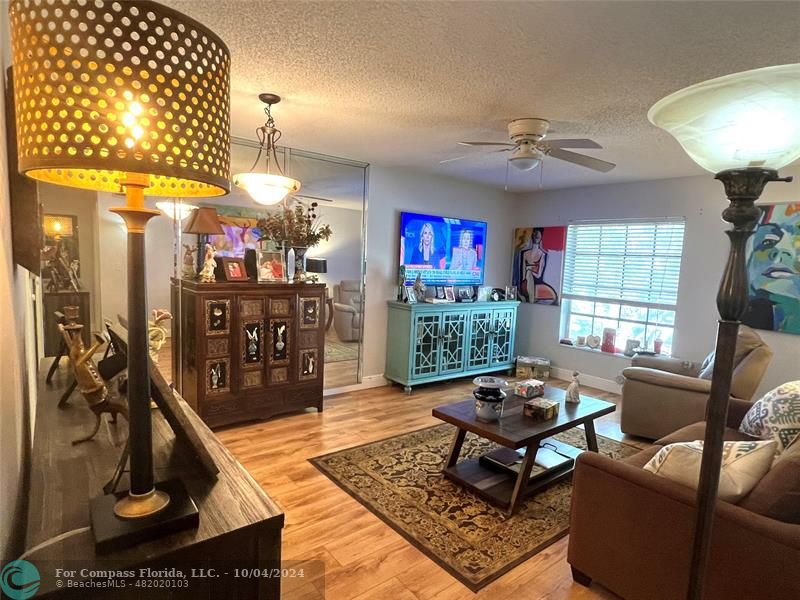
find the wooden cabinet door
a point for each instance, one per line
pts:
(425, 345)
(480, 338)
(453, 338)
(502, 336)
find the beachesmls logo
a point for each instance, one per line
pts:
(19, 580)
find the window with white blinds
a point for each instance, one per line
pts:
(623, 276)
(637, 262)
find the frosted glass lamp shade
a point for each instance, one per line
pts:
(107, 88)
(266, 188)
(747, 119)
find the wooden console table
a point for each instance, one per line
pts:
(239, 523)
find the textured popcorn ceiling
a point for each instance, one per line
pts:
(399, 83)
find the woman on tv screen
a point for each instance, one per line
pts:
(425, 252)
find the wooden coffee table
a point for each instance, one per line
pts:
(514, 430)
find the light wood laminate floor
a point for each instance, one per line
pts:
(363, 557)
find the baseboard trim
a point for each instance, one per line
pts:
(607, 385)
(368, 382)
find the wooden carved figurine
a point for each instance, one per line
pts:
(90, 384)
(574, 390)
(188, 271)
(209, 264)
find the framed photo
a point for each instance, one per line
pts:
(483, 293)
(450, 293)
(440, 295)
(271, 266)
(464, 293)
(410, 295)
(233, 269)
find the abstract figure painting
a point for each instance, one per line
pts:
(538, 262)
(773, 270)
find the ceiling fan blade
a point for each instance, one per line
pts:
(305, 197)
(485, 144)
(449, 160)
(576, 143)
(580, 159)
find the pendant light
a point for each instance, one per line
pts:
(267, 188)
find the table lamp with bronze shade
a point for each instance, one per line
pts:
(135, 97)
(742, 127)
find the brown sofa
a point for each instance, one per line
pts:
(631, 531)
(661, 395)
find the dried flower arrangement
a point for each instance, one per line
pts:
(297, 227)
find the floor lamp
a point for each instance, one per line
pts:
(129, 97)
(743, 127)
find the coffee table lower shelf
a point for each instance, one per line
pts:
(498, 487)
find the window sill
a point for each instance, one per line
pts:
(595, 351)
(598, 351)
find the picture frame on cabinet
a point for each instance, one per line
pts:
(450, 293)
(271, 266)
(410, 295)
(233, 269)
(483, 293)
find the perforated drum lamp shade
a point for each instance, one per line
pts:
(132, 96)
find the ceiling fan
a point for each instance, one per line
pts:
(528, 147)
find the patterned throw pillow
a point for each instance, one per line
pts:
(743, 465)
(775, 416)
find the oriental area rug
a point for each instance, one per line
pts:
(400, 480)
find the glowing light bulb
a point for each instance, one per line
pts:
(128, 120)
(137, 132)
(136, 108)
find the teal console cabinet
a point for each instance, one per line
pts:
(434, 342)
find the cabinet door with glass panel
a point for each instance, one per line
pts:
(453, 335)
(502, 335)
(425, 350)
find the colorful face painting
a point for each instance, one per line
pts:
(773, 269)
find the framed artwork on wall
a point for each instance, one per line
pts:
(773, 270)
(538, 263)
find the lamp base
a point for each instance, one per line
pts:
(112, 532)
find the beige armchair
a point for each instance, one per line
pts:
(660, 394)
(347, 310)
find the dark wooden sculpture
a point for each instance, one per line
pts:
(90, 384)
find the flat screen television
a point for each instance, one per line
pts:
(443, 250)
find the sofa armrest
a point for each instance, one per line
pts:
(632, 531)
(666, 379)
(347, 308)
(737, 409)
(665, 363)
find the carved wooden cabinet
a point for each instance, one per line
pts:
(249, 350)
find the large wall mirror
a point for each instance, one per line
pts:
(97, 238)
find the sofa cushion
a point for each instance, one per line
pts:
(640, 459)
(775, 416)
(777, 495)
(697, 431)
(746, 342)
(743, 465)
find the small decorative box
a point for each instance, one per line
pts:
(540, 409)
(533, 367)
(530, 388)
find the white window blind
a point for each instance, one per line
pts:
(636, 262)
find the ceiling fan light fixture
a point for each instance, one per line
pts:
(266, 188)
(525, 157)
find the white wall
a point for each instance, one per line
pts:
(700, 200)
(14, 438)
(394, 190)
(112, 263)
(343, 250)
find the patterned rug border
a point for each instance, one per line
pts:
(473, 587)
